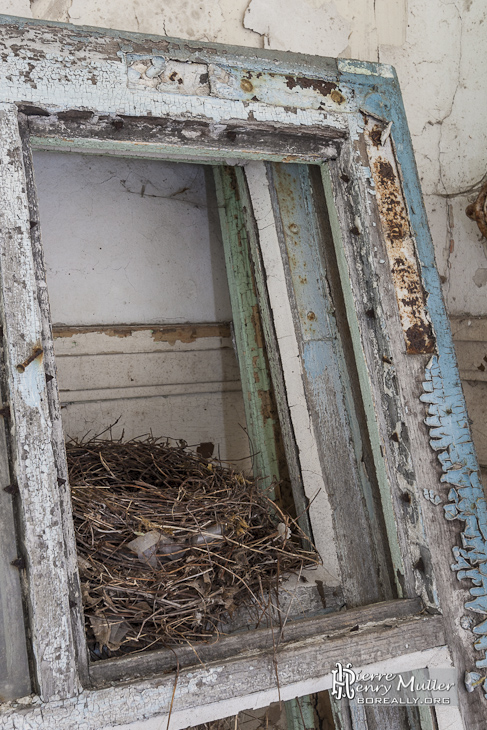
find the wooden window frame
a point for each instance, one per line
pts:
(76, 89)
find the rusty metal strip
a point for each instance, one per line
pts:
(401, 249)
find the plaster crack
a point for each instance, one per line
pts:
(51, 9)
(452, 105)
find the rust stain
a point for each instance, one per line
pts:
(375, 135)
(186, 333)
(400, 246)
(266, 404)
(420, 339)
(246, 85)
(337, 96)
(322, 87)
(37, 351)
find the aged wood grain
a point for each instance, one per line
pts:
(272, 349)
(328, 391)
(218, 689)
(57, 432)
(424, 538)
(261, 415)
(160, 137)
(49, 572)
(374, 360)
(126, 668)
(292, 367)
(14, 666)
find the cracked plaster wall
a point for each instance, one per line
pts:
(438, 48)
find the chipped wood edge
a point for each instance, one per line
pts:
(125, 668)
(219, 689)
(34, 464)
(54, 407)
(306, 439)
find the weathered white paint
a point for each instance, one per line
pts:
(449, 719)
(320, 512)
(218, 689)
(99, 85)
(409, 56)
(34, 468)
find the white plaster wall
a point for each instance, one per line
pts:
(129, 241)
(438, 47)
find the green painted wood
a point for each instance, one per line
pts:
(300, 714)
(188, 153)
(254, 372)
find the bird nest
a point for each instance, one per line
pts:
(171, 545)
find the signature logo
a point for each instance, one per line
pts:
(343, 678)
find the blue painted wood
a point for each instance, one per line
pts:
(447, 417)
(328, 390)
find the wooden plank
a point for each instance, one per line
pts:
(141, 338)
(163, 138)
(290, 361)
(64, 77)
(126, 668)
(385, 412)
(399, 243)
(57, 432)
(424, 537)
(374, 359)
(327, 385)
(301, 503)
(48, 573)
(238, 244)
(219, 689)
(14, 665)
(262, 423)
(331, 375)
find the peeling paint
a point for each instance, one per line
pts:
(169, 333)
(450, 437)
(290, 90)
(410, 294)
(166, 76)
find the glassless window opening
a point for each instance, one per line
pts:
(134, 260)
